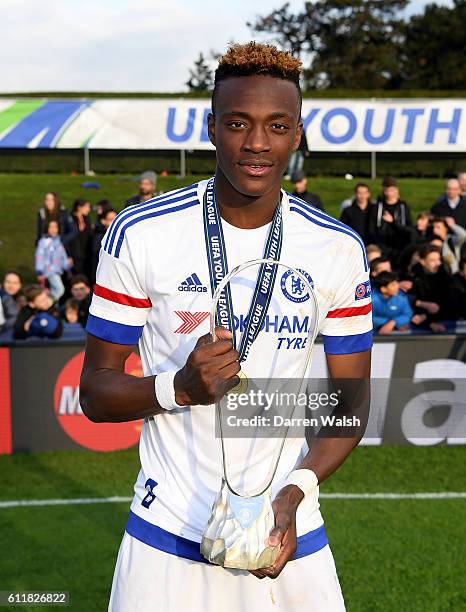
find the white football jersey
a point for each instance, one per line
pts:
(153, 288)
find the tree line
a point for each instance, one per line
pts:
(363, 44)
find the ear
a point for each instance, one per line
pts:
(297, 137)
(211, 128)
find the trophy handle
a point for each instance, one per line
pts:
(311, 339)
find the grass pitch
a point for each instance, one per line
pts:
(391, 555)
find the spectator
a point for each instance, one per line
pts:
(300, 190)
(296, 162)
(373, 252)
(13, 284)
(357, 214)
(422, 229)
(462, 182)
(147, 183)
(390, 306)
(52, 260)
(389, 222)
(432, 288)
(81, 292)
(451, 204)
(53, 210)
(80, 247)
(102, 225)
(40, 317)
(459, 280)
(378, 265)
(451, 237)
(101, 207)
(71, 311)
(9, 311)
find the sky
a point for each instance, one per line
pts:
(120, 45)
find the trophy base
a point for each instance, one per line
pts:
(237, 532)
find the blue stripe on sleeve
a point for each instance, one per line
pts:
(342, 345)
(113, 332)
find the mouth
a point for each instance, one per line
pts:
(256, 168)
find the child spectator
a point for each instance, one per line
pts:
(390, 306)
(40, 317)
(373, 251)
(52, 260)
(378, 265)
(9, 311)
(81, 292)
(71, 311)
(13, 284)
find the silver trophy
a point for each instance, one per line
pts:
(236, 535)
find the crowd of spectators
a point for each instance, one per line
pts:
(417, 268)
(67, 249)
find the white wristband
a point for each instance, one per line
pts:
(306, 480)
(165, 390)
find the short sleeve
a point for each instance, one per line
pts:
(347, 327)
(120, 305)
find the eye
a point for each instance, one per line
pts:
(280, 127)
(236, 124)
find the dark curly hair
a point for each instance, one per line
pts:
(252, 59)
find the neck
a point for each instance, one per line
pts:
(244, 211)
(362, 205)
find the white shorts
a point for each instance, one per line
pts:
(149, 580)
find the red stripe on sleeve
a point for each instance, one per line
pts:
(121, 298)
(340, 313)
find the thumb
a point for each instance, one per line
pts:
(221, 333)
(276, 535)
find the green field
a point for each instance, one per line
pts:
(22, 195)
(392, 555)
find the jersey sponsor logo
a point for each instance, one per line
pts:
(363, 290)
(293, 287)
(68, 412)
(191, 320)
(192, 283)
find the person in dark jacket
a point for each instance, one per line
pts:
(39, 317)
(451, 203)
(52, 210)
(103, 223)
(389, 223)
(357, 215)
(10, 312)
(79, 248)
(432, 288)
(300, 190)
(296, 161)
(13, 285)
(147, 183)
(81, 292)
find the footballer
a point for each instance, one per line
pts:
(151, 254)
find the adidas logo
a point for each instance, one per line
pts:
(192, 283)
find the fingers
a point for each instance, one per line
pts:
(287, 550)
(223, 334)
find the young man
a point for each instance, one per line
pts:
(299, 180)
(153, 251)
(357, 214)
(81, 292)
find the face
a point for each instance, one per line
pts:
(71, 315)
(146, 187)
(53, 229)
(11, 283)
(392, 288)
(108, 218)
(373, 255)
(42, 301)
(462, 182)
(453, 189)
(432, 262)
(300, 186)
(422, 224)
(362, 194)
(80, 290)
(49, 201)
(440, 230)
(85, 209)
(384, 266)
(255, 129)
(391, 194)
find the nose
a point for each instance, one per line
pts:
(257, 140)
